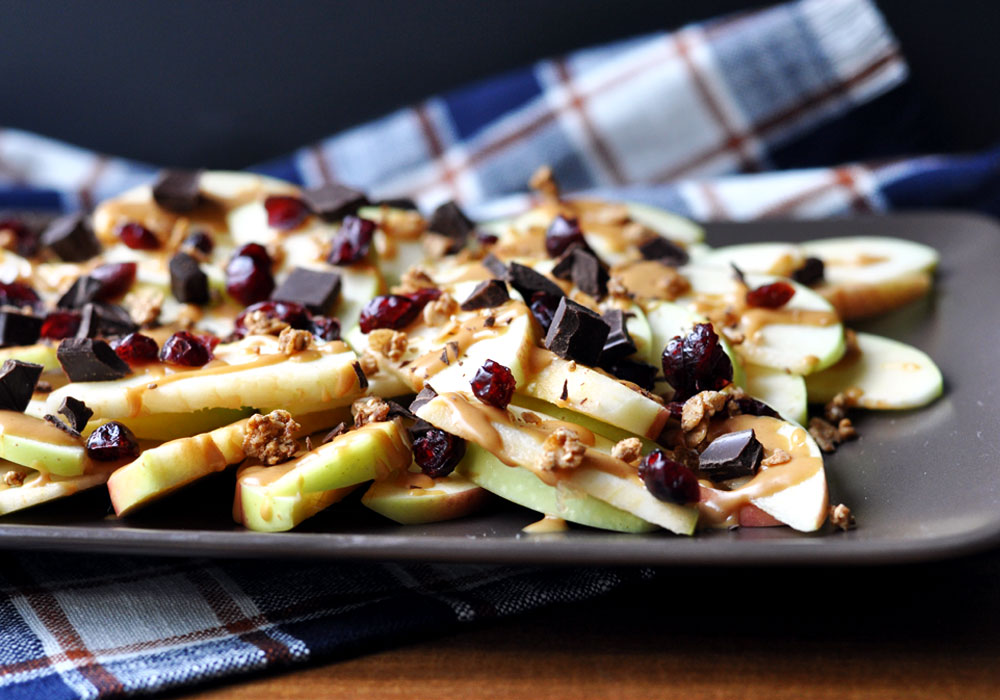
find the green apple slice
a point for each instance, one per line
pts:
(668, 224)
(781, 390)
(886, 373)
(519, 485)
(257, 509)
(171, 426)
(413, 499)
(870, 259)
(40, 487)
(611, 432)
(13, 267)
(39, 445)
(40, 354)
(755, 258)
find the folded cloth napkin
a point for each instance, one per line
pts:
(676, 119)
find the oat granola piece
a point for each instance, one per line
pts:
(610, 213)
(402, 224)
(369, 409)
(292, 341)
(188, 315)
(13, 478)
(387, 342)
(836, 409)
(369, 363)
(269, 438)
(617, 289)
(779, 456)
(634, 233)
(437, 246)
(697, 412)
(841, 517)
(828, 436)
(144, 306)
(259, 323)
(544, 183)
(414, 279)
(628, 450)
(672, 284)
(440, 310)
(562, 449)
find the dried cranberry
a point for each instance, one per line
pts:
(752, 407)
(561, 235)
(137, 349)
(668, 480)
(61, 324)
(295, 315)
(424, 295)
(138, 237)
(285, 212)
(696, 362)
(25, 240)
(325, 328)
(201, 241)
(248, 274)
(185, 348)
(543, 307)
(771, 296)
(437, 452)
(395, 311)
(111, 442)
(20, 295)
(352, 241)
(115, 279)
(493, 384)
(486, 238)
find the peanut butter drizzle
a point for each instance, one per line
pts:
(548, 524)
(725, 309)
(18, 425)
(648, 279)
(721, 508)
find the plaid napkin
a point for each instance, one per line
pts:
(676, 119)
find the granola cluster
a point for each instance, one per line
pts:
(369, 409)
(270, 438)
(562, 449)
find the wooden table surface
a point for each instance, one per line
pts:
(928, 631)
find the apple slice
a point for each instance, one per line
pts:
(781, 390)
(666, 223)
(40, 487)
(667, 321)
(40, 354)
(780, 259)
(39, 445)
(171, 426)
(257, 509)
(519, 485)
(415, 498)
(885, 373)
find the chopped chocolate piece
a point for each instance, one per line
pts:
(317, 290)
(665, 251)
(398, 203)
(444, 357)
(563, 269)
(576, 333)
(362, 377)
(619, 343)
(750, 406)
(84, 290)
(89, 360)
(487, 295)
(188, 281)
(19, 329)
(489, 321)
(449, 220)
(419, 427)
(77, 413)
(588, 273)
(71, 238)
(565, 390)
(69, 430)
(527, 282)
(17, 384)
(495, 265)
(810, 273)
(398, 411)
(639, 373)
(108, 320)
(333, 201)
(178, 190)
(338, 429)
(732, 455)
(425, 395)
(738, 274)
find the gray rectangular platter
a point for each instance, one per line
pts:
(923, 484)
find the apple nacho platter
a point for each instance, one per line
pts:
(353, 378)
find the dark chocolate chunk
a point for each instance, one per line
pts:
(810, 273)
(565, 390)
(317, 290)
(84, 290)
(17, 384)
(732, 455)
(563, 269)
(527, 282)
(26, 227)
(333, 201)
(58, 423)
(449, 220)
(495, 265)
(17, 328)
(576, 333)
(71, 238)
(619, 343)
(398, 411)
(188, 281)
(638, 373)
(178, 190)
(89, 360)
(362, 377)
(588, 273)
(487, 295)
(425, 395)
(665, 251)
(398, 203)
(338, 429)
(108, 320)
(77, 413)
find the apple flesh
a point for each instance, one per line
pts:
(257, 509)
(668, 321)
(784, 392)
(39, 487)
(171, 426)
(37, 444)
(412, 499)
(40, 354)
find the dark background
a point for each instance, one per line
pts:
(228, 84)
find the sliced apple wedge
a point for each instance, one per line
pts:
(415, 498)
(783, 391)
(884, 374)
(39, 487)
(780, 259)
(39, 445)
(257, 509)
(171, 426)
(41, 354)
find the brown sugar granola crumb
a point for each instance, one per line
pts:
(697, 412)
(387, 342)
(292, 341)
(544, 183)
(439, 310)
(836, 409)
(828, 436)
(628, 450)
(562, 449)
(414, 279)
(369, 409)
(259, 323)
(841, 517)
(13, 478)
(369, 363)
(269, 438)
(144, 307)
(779, 456)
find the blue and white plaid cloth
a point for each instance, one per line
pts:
(677, 119)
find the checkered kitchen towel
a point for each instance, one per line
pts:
(675, 119)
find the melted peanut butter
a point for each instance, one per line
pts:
(650, 279)
(14, 424)
(548, 524)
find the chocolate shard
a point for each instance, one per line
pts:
(563, 269)
(731, 456)
(495, 265)
(487, 295)
(619, 343)
(77, 413)
(71, 238)
(178, 191)
(89, 360)
(398, 411)
(17, 384)
(589, 274)
(810, 273)
(528, 282)
(576, 333)
(426, 394)
(188, 282)
(667, 252)
(68, 429)
(108, 320)
(333, 201)
(398, 203)
(17, 328)
(639, 373)
(449, 220)
(338, 430)
(317, 290)
(362, 377)
(83, 291)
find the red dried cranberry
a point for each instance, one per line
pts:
(325, 328)
(185, 348)
(668, 480)
(201, 241)
(248, 275)
(696, 362)
(352, 241)
(60, 324)
(285, 212)
(543, 307)
(424, 295)
(25, 240)
(138, 237)
(486, 238)
(111, 442)
(137, 349)
(295, 315)
(771, 296)
(437, 452)
(493, 384)
(395, 311)
(209, 341)
(20, 295)
(115, 279)
(561, 235)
